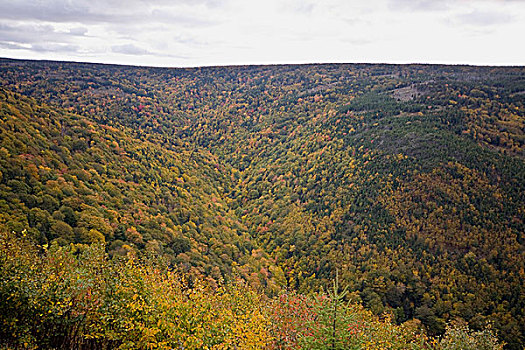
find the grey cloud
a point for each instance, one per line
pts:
(8, 31)
(78, 31)
(129, 49)
(305, 7)
(44, 47)
(24, 20)
(54, 47)
(53, 11)
(178, 18)
(30, 33)
(158, 22)
(99, 11)
(298, 6)
(188, 40)
(438, 5)
(134, 50)
(481, 18)
(12, 46)
(418, 5)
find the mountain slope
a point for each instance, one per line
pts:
(408, 179)
(69, 179)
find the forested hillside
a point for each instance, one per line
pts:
(68, 179)
(407, 179)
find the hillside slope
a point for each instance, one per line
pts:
(408, 179)
(69, 179)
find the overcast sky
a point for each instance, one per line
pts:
(182, 33)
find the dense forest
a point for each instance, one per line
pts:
(408, 180)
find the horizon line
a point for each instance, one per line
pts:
(232, 65)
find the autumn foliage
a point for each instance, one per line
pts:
(406, 179)
(76, 297)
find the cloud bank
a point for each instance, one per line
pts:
(218, 32)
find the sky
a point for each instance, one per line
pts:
(189, 33)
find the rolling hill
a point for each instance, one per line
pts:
(407, 179)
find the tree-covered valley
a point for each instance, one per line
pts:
(405, 181)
